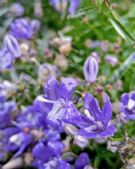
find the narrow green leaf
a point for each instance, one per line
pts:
(119, 72)
(121, 29)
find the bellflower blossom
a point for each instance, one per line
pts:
(56, 102)
(5, 134)
(61, 5)
(96, 123)
(90, 69)
(24, 28)
(128, 106)
(15, 140)
(53, 150)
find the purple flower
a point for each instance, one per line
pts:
(19, 142)
(41, 149)
(82, 161)
(9, 52)
(11, 45)
(112, 60)
(96, 123)
(54, 163)
(90, 69)
(5, 134)
(128, 106)
(74, 4)
(6, 60)
(56, 102)
(31, 118)
(17, 9)
(35, 26)
(6, 109)
(52, 151)
(23, 28)
(61, 5)
(15, 140)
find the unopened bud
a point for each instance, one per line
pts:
(11, 44)
(90, 69)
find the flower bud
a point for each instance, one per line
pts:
(38, 11)
(35, 26)
(61, 61)
(16, 9)
(104, 46)
(90, 69)
(96, 56)
(11, 44)
(24, 28)
(112, 60)
(65, 49)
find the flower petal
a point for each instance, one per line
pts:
(86, 134)
(92, 105)
(82, 161)
(41, 152)
(107, 111)
(52, 89)
(109, 131)
(125, 98)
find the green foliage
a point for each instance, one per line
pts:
(97, 20)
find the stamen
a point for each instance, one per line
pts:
(87, 113)
(42, 99)
(15, 139)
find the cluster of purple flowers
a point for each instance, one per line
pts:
(40, 125)
(37, 129)
(20, 29)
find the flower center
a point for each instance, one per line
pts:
(95, 128)
(15, 139)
